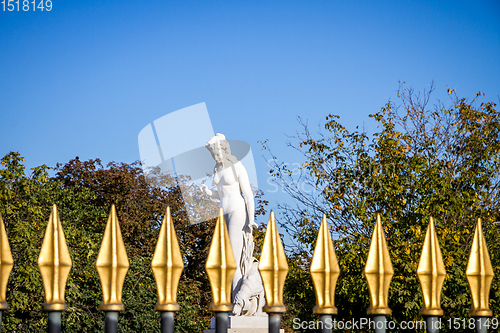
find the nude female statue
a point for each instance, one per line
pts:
(237, 203)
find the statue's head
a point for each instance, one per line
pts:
(220, 150)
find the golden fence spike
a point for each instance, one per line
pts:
(273, 268)
(112, 265)
(54, 263)
(378, 272)
(167, 266)
(479, 275)
(6, 264)
(431, 273)
(324, 271)
(220, 267)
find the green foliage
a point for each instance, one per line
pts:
(442, 162)
(423, 161)
(84, 192)
(299, 295)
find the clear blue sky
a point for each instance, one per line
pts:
(86, 77)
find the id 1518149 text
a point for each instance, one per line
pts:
(26, 5)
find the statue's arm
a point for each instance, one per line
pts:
(211, 193)
(246, 190)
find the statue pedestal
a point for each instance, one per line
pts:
(244, 324)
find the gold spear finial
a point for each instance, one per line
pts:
(479, 275)
(378, 272)
(167, 266)
(273, 268)
(324, 271)
(54, 263)
(112, 265)
(431, 273)
(6, 264)
(220, 267)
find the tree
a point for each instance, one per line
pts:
(84, 192)
(141, 207)
(424, 161)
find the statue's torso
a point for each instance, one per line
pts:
(228, 186)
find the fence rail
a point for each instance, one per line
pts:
(112, 265)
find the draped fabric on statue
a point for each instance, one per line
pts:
(247, 252)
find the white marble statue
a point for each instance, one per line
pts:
(237, 202)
